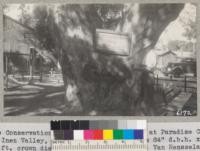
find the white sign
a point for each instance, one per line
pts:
(112, 43)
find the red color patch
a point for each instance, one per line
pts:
(98, 134)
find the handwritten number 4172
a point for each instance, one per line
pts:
(183, 113)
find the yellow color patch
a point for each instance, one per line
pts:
(107, 134)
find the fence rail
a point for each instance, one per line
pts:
(187, 84)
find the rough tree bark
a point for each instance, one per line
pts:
(105, 84)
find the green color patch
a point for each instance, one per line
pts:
(118, 134)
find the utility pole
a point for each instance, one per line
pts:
(6, 69)
(32, 62)
(31, 56)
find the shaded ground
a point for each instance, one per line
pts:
(184, 104)
(38, 99)
(191, 105)
(48, 99)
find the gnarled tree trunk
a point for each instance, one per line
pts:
(109, 84)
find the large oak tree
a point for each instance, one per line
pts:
(102, 84)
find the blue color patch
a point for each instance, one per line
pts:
(128, 134)
(139, 134)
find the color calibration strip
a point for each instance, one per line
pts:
(98, 124)
(106, 134)
(95, 130)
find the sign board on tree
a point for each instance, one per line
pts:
(109, 42)
(28, 35)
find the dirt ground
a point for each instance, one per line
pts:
(48, 100)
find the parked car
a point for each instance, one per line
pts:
(183, 68)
